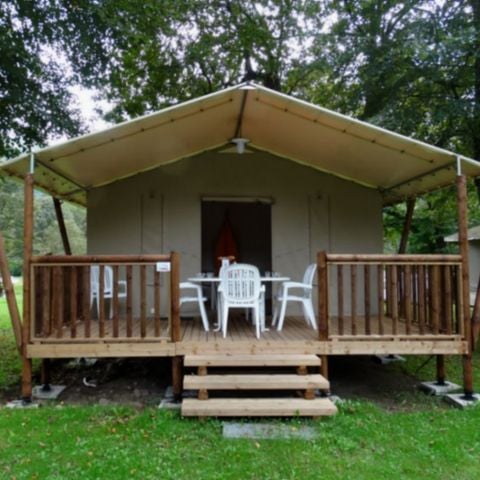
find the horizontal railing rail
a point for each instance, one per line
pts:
(401, 296)
(71, 302)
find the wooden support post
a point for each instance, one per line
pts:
(421, 299)
(27, 254)
(177, 369)
(203, 392)
(476, 316)
(101, 301)
(143, 301)
(353, 298)
(407, 300)
(435, 299)
(381, 301)
(463, 244)
(86, 311)
(45, 376)
(340, 298)
(175, 297)
(324, 371)
(322, 296)
(441, 370)
(177, 377)
(129, 274)
(156, 301)
(114, 301)
(394, 298)
(407, 225)
(366, 279)
(447, 300)
(10, 294)
(61, 226)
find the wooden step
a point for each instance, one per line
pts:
(255, 382)
(251, 361)
(258, 407)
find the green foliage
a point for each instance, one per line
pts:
(10, 365)
(435, 217)
(145, 55)
(410, 66)
(46, 233)
(35, 103)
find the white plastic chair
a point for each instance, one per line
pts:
(196, 298)
(240, 288)
(304, 296)
(107, 286)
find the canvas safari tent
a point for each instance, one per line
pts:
(305, 185)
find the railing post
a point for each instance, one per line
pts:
(175, 322)
(322, 296)
(175, 296)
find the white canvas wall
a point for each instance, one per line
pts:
(159, 211)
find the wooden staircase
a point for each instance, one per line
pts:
(255, 380)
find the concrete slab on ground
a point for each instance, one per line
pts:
(52, 394)
(168, 401)
(262, 431)
(386, 359)
(21, 404)
(458, 400)
(433, 388)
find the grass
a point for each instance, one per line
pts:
(10, 365)
(361, 442)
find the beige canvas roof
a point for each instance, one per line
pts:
(396, 165)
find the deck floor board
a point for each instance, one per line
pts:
(239, 329)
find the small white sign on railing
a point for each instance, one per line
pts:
(163, 266)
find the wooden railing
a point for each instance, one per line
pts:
(390, 295)
(64, 309)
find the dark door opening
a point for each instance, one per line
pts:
(250, 224)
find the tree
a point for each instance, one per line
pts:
(409, 66)
(35, 103)
(46, 237)
(146, 55)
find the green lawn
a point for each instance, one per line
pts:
(10, 365)
(361, 442)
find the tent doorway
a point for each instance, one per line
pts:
(239, 227)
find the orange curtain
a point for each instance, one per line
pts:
(226, 245)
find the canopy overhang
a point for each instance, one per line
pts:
(398, 166)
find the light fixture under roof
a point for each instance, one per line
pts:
(240, 144)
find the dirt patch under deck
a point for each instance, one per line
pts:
(142, 382)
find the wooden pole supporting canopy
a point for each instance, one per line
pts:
(10, 294)
(27, 255)
(407, 225)
(463, 244)
(476, 317)
(61, 226)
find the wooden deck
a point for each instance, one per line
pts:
(295, 338)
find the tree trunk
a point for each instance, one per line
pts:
(475, 4)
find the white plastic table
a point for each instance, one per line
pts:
(272, 279)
